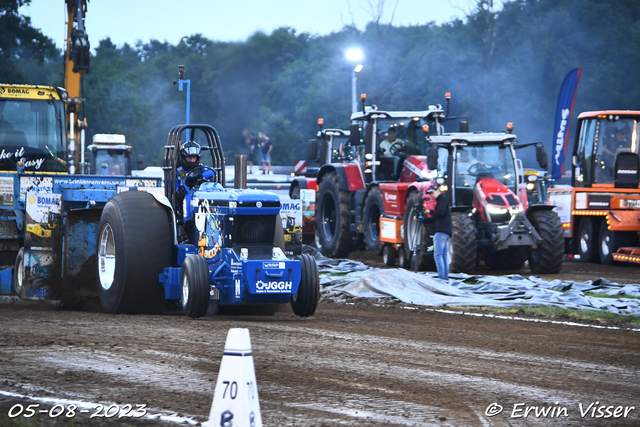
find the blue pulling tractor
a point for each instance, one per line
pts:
(208, 249)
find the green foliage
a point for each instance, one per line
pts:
(20, 43)
(561, 314)
(500, 66)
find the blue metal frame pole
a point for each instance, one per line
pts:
(188, 82)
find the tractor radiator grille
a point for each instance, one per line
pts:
(254, 229)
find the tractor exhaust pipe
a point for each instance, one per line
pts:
(240, 176)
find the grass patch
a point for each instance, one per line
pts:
(599, 295)
(557, 313)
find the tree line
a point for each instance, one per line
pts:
(500, 64)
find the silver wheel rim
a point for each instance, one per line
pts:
(605, 245)
(20, 275)
(412, 228)
(107, 257)
(185, 289)
(584, 243)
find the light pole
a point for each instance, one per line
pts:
(181, 82)
(354, 55)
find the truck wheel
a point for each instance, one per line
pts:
(332, 215)
(611, 241)
(19, 273)
(305, 301)
(195, 286)
(422, 239)
(389, 255)
(550, 253)
(587, 241)
(373, 210)
(463, 243)
(132, 253)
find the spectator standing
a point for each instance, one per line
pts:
(267, 146)
(245, 147)
(442, 239)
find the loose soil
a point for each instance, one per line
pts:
(358, 363)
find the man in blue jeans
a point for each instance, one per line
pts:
(442, 218)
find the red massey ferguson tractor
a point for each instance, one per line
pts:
(379, 200)
(492, 218)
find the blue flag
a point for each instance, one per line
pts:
(563, 120)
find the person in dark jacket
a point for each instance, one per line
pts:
(442, 239)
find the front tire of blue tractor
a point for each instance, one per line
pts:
(134, 246)
(305, 301)
(195, 286)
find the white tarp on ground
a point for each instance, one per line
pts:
(353, 278)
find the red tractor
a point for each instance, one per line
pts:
(379, 201)
(363, 200)
(334, 148)
(492, 219)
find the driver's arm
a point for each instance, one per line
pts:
(199, 173)
(607, 150)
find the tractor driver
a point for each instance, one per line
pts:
(614, 145)
(190, 172)
(614, 142)
(385, 146)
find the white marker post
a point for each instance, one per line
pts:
(235, 400)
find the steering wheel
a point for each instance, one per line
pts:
(395, 148)
(477, 169)
(201, 178)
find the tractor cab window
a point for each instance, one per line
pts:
(111, 162)
(482, 161)
(339, 154)
(613, 138)
(583, 169)
(32, 131)
(466, 158)
(401, 137)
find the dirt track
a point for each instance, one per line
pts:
(356, 365)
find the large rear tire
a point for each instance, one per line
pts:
(305, 301)
(373, 210)
(332, 215)
(550, 253)
(195, 286)
(134, 247)
(416, 233)
(463, 243)
(587, 241)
